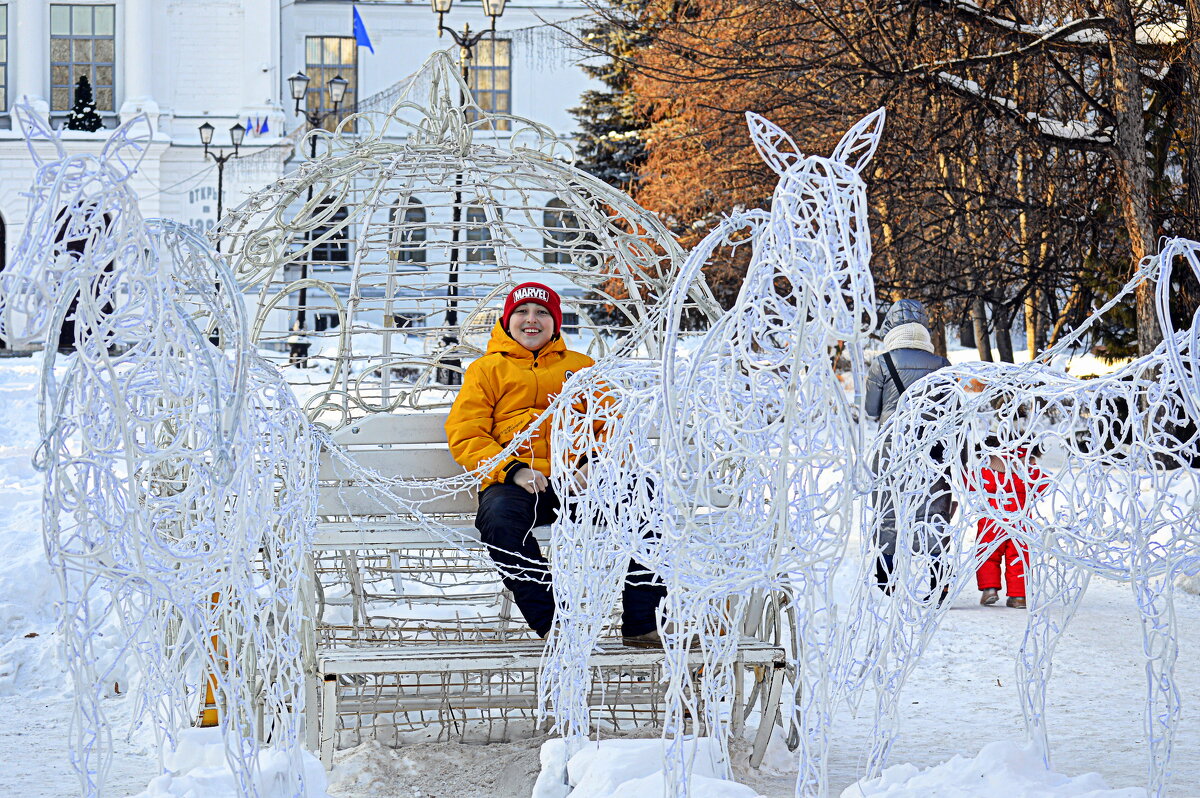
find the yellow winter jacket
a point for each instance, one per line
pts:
(502, 393)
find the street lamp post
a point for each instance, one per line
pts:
(237, 134)
(466, 43)
(298, 85)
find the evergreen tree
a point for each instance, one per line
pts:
(83, 114)
(612, 143)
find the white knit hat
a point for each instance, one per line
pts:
(908, 336)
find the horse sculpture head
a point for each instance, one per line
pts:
(817, 248)
(82, 219)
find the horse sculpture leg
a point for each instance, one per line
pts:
(908, 619)
(1055, 589)
(683, 701)
(888, 682)
(816, 632)
(587, 583)
(1156, 602)
(901, 648)
(91, 734)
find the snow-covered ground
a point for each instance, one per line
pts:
(961, 702)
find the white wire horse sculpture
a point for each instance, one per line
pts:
(1117, 500)
(750, 486)
(179, 490)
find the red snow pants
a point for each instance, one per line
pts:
(1010, 552)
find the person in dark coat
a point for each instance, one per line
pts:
(909, 348)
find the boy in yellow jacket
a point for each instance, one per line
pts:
(502, 393)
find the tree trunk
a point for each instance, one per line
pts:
(1034, 251)
(979, 322)
(1041, 317)
(1129, 156)
(1023, 230)
(1064, 316)
(1002, 321)
(1032, 311)
(966, 332)
(1192, 103)
(937, 332)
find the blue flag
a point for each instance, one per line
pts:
(360, 32)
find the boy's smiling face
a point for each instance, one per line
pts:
(531, 325)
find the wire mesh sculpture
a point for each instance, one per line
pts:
(386, 257)
(385, 260)
(179, 485)
(750, 485)
(1109, 499)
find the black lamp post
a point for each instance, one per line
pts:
(466, 42)
(298, 85)
(237, 134)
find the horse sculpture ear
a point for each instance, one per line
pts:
(860, 141)
(772, 142)
(127, 146)
(36, 131)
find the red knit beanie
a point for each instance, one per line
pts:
(537, 293)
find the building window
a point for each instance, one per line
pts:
(479, 235)
(3, 58)
(491, 80)
(327, 57)
(82, 42)
(408, 235)
(332, 254)
(562, 232)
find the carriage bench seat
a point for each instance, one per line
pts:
(364, 547)
(767, 660)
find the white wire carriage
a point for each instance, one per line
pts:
(378, 271)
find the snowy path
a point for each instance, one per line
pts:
(961, 697)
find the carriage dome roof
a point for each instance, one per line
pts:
(384, 259)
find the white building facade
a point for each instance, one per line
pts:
(185, 63)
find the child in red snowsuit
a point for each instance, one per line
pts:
(1009, 480)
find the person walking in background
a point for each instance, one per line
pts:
(1008, 481)
(907, 356)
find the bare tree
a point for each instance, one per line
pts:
(1044, 110)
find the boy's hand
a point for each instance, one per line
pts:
(531, 480)
(579, 478)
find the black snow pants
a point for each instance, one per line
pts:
(507, 515)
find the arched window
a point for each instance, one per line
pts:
(478, 235)
(333, 254)
(408, 234)
(562, 232)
